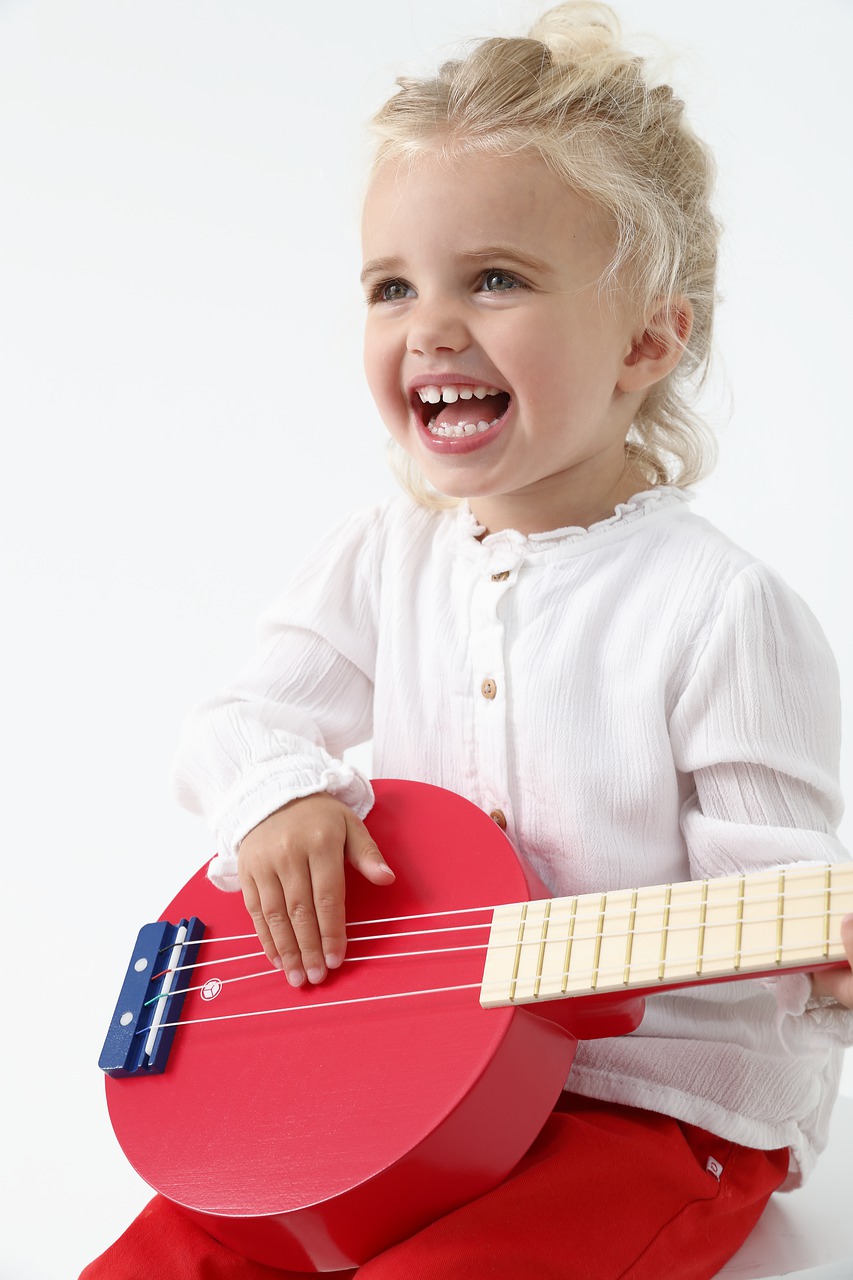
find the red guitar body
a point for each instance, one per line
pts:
(316, 1138)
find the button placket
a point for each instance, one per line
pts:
(488, 672)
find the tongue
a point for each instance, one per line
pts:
(473, 410)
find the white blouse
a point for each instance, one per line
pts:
(644, 702)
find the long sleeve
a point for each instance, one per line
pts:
(279, 731)
(758, 728)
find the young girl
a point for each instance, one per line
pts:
(545, 627)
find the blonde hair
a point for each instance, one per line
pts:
(572, 94)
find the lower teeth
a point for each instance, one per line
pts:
(458, 430)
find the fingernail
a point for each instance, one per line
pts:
(277, 964)
(333, 960)
(296, 977)
(316, 975)
(383, 866)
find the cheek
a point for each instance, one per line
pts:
(545, 375)
(375, 366)
(382, 371)
(536, 358)
(559, 369)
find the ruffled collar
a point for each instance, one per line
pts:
(637, 509)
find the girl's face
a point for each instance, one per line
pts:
(493, 357)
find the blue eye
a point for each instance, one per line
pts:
(499, 282)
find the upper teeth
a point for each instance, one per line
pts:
(450, 394)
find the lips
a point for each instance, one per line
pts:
(454, 412)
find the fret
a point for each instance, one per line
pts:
(541, 970)
(645, 960)
(518, 952)
(586, 945)
(614, 927)
(666, 909)
(602, 910)
(629, 936)
(681, 925)
(703, 913)
(758, 911)
(780, 916)
(536, 964)
(499, 971)
(739, 925)
(806, 917)
(567, 959)
(720, 927)
(664, 934)
(537, 986)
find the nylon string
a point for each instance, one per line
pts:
(634, 932)
(601, 975)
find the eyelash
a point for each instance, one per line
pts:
(507, 275)
(376, 293)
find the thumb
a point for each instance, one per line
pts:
(838, 983)
(363, 853)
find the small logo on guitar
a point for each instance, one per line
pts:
(211, 989)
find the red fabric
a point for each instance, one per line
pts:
(605, 1193)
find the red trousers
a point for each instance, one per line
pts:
(605, 1193)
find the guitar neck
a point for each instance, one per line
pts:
(667, 935)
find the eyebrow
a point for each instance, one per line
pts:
(505, 253)
(380, 267)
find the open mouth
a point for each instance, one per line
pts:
(453, 411)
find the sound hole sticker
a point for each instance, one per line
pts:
(211, 989)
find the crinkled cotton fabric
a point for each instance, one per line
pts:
(661, 707)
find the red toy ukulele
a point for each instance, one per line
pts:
(312, 1128)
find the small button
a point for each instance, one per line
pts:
(498, 816)
(488, 688)
(500, 577)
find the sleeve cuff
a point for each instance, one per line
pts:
(820, 1021)
(272, 792)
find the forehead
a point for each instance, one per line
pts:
(435, 202)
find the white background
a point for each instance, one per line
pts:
(182, 415)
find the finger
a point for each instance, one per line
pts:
(835, 983)
(838, 983)
(327, 880)
(847, 937)
(844, 977)
(302, 921)
(363, 852)
(272, 915)
(252, 903)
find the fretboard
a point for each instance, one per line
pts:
(667, 935)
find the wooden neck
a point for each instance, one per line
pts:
(667, 935)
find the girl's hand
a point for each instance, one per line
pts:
(838, 983)
(291, 869)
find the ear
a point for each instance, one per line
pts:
(658, 346)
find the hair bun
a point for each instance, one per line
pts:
(581, 31)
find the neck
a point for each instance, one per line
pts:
(576, 499)
(668, 935)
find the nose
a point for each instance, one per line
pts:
(436, 324)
